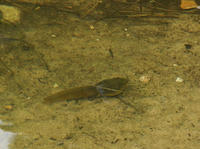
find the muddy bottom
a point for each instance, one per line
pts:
(49, 52)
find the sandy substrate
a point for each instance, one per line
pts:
(51, 51)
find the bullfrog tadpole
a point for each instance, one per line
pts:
(105, 88)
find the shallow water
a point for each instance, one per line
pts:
(64, 50)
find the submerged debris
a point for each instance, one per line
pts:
(145, 79)
(10, 14)
(179, 80)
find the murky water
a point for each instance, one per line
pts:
(52, 50)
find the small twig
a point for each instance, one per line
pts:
(115, 90)
(125, 102)
(7, 68)
(42, 60)
(140, 5)
(111, 52)
(12, 74)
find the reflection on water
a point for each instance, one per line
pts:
(5, 137)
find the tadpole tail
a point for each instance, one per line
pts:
(71, 94)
